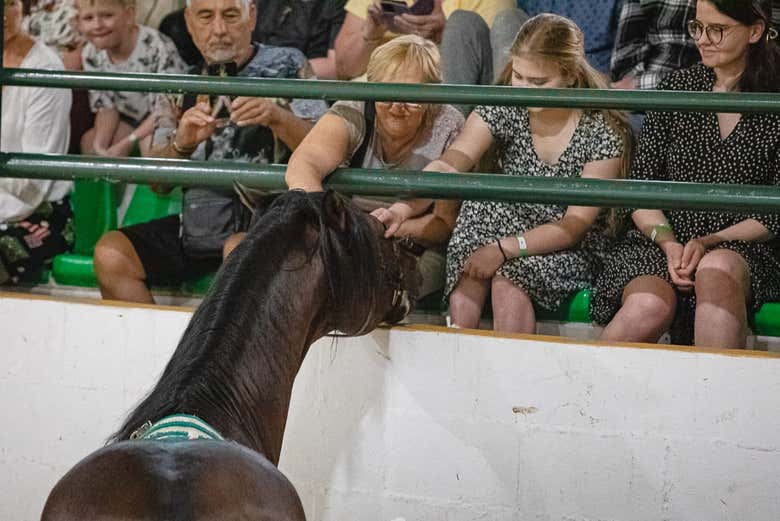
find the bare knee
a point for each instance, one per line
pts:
(464, 310)
(506, 295)
(459, 302)
(115, 256)
(650, 299)
(87, 141)
(723, 273)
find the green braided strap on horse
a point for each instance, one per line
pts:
(177, 427)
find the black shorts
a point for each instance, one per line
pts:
(158, 245)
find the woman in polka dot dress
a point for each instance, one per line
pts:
(696, 273)
(528, 255)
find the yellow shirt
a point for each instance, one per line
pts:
(487, 9)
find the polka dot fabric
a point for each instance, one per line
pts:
(678, 146)
(548, 279)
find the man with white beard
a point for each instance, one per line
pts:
(174, 249)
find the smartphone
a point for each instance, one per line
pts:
(421, 7)
(394, 7)
(220, 104)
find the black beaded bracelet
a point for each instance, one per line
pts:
(501, 249)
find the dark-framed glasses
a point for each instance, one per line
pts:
(714, 32)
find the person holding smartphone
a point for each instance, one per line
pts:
(461, 28)
(175, 249)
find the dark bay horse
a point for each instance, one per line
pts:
(313, 263)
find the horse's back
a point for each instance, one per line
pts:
(174, 481)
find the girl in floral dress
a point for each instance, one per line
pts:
(527, 255)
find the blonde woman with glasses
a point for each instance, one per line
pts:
(403, 136)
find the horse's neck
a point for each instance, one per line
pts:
(254, 411)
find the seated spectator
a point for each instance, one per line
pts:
(174, 249)
(54, 23)
(529, 255)
(123, 120)
(460, 27)
(35, 214)
(597, 19)
(403, 136)
(310, 26)
(698, 272)
(651, 42)
(307, 25)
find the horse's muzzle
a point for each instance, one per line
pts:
(402, 306)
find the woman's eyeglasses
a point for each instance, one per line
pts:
(408, 107)
(715, 33)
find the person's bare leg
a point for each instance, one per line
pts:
(231, 243)
(513, 311)
(649, 304)
(119, 271)
(466, 302)
(122, 131)
(722, 290)
(88, 139)
(87, 142)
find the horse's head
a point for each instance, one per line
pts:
(379, 276)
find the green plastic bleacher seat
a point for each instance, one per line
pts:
(95, 213)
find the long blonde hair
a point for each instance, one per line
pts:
(556, 39)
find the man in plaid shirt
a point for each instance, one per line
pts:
(652, 40)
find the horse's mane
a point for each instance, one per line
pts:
(242, 309)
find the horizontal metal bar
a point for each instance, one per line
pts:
(426, 93)
(548, 190)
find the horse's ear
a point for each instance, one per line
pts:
(334, 211)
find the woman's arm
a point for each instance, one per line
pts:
(325, 67)
(461, 156)
(432, 229)
(546, 238)
(654, 224)
(320, 153)
(124, 146)
(356, 40)
(749, 230)
(572, 227)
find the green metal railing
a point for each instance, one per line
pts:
(644, 194)
(550, 190)
(425, 93)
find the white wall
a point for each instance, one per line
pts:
(425, 424)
